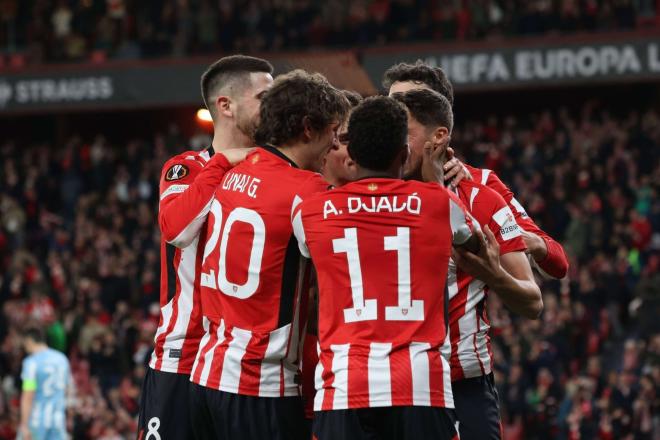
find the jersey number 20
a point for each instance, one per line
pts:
(227, 287)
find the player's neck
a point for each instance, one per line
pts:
(296, 154)
(37, 348)
(366, 173)
(230, 137)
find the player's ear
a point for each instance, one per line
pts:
(440, 135)
(223, 105)
(308, 131)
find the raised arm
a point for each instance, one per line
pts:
(186, 191)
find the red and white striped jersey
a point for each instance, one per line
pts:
(555, 264)
(187, 184)
(468, 320)
(381, 249)
(252, 279)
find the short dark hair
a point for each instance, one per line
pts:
(36, 334)
(229, 71)
(377, 132)
(354, 98)
(428, 107)
(434, 77)
(294, 98)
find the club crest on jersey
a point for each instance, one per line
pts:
(176, 172)
(255, 159)
(372, 187)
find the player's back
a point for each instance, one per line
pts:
(469, 324)
(180, 327)
(50, 371)
(252, 276)
(381, 248)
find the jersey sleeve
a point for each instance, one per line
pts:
(555, 264)
(298, 229)
(29, 375)
(463, 225)
(186, 193)
(313, 185)
(502, 223)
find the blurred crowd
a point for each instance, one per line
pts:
(79, 254)
(36, 31)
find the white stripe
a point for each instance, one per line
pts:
(445, 354)
(421, 375)
(318, 381)
(340, 371)
(166, 314)
(231, 367)
(473, 194)
(467, 325)
(202, 343)
(186, 277)
(174, 189)
(378, 368)
(452, 283)
(518, 207)
(191, 232)
(298, 230)
(208, 357)
(48, 415)
(459, 228)
(484, 176)
(271, 364)
(205, 155)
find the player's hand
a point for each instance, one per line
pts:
(454, 169)
(484, 265)
(432, 161)
(536, 246)
(236, 155)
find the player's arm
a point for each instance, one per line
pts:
(509, 276)
(186, 192)
(29, 377)
(548, 254)
(464, 227)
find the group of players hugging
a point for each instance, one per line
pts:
(325, 266)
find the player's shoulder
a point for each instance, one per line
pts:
(180, 165)
(474, 191)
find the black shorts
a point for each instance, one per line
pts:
(227, 416)
(387, 423)
(164, 406)
(477, 408)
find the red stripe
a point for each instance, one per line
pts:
(358, 383)
(401, 376)
(436, 379)
(328, 377)
(251, 365)
(456, 311)
(218, 360)
(175, 311)
(197, 374)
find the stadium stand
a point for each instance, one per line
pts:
(35, 31)
(588, 369)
